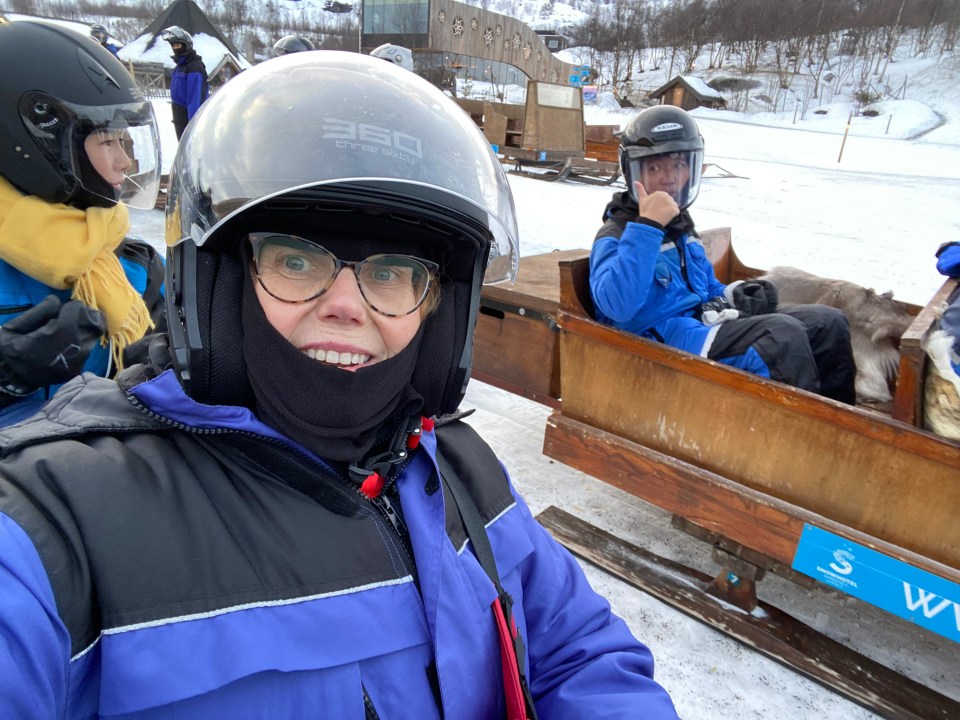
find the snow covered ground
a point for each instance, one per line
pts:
(876, 217)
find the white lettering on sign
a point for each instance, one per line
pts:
(373, 139)
(841, 562)
(925, 600)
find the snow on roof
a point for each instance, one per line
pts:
(701, 88)
(209, 48)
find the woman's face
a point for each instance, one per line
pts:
(338, 327)
(105, 151)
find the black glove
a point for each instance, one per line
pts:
(716, 311)
(752, 297)
(152, 349)
(48, 344)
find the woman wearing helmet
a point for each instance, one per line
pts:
(649, 273)
(79, 143)
(189, 85)
(257, 527)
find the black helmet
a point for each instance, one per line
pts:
(65, 89)
(662, 130)
(291, 44)
(355, 148)
(99, 33)
(176, 34)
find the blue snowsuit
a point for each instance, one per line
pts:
(20, 292)
(188, 89)
(651, 281)
(262, 584)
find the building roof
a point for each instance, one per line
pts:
(210, 44)
(694, 85)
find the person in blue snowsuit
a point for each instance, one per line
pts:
(649, 273)
(189, 86)
(75, 293)
(279, 514)
(948, 263)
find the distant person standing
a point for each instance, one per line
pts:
(188, 84)
(99, 33)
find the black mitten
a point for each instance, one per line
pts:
(752, 297)
(48, 344)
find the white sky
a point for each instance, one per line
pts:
(875, 217)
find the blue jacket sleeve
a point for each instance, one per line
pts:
(621, 271)
(195, 93)
(584, 661)
(34, 644)
(948, 259)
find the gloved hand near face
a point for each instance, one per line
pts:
(752, 297)
(48, 344)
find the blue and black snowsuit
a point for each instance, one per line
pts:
(261, 583)
(651, 281)
(188, 89)
(19, 292)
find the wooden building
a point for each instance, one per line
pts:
(465, 38)
(688, 92)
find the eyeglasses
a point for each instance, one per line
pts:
(295, 270)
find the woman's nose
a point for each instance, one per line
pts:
(343, 298)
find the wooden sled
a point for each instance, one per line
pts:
(712, 171)
(660, 412)
(588, 170)
(754, 467)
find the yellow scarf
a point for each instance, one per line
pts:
(64, 247)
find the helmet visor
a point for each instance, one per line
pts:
(364, 126)
(113, 151)
(676, 173)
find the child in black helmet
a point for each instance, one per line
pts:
(79, 143)
(284, 518)
(649, 274)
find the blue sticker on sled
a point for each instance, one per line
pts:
(893, 585)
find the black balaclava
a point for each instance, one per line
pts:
(338, 414)
(94, 190)
(179, 52)
(682, 224)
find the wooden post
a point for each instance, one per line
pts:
(845, 132)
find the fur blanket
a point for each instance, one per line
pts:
(876, 324)
(941, 390)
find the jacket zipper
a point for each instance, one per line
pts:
(384, 507)
(15, 309)
(369, 711)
